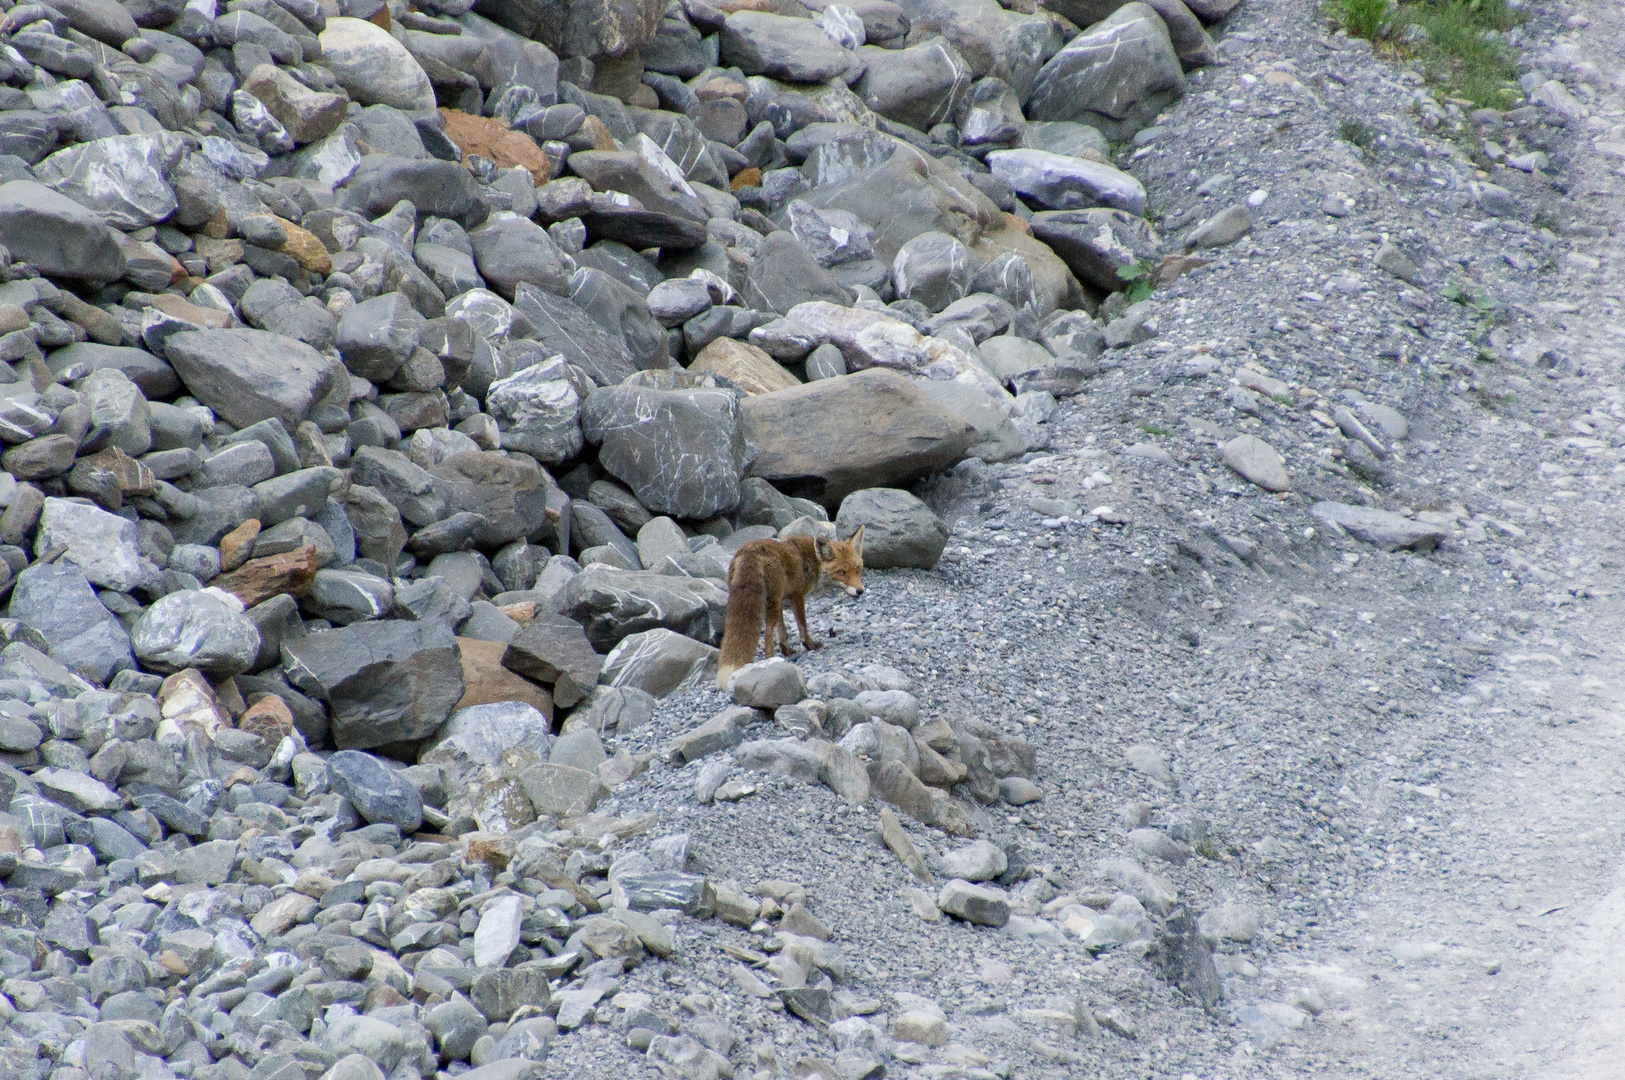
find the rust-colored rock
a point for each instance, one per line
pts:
(269, 718)
(493, 139)
(744, 178)
(744, 363)
(523, 613)
(257, 580)
(201, 317)
(237, 545)
(485, 679)
(305, 248)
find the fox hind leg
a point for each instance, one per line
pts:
(800, 604)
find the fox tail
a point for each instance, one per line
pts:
(747, 612)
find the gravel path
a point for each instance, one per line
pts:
(1405, 766)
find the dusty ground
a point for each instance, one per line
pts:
(1408, 765)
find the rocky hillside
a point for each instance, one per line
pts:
(387, 388)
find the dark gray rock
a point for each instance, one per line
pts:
(442, 188)
(385, 682)
(641, 430)
(56, 235)
(1064, 183)
(377, 336)
(1097, 243)
(377, 792)
(56, 600)
(562, 327)
(780, 47)
(555, 650)
(898, 529)
(247, 376)
(1116, 76)
(612, 604)
(933, 269)
(920, 86)
(784, 274)
(510, 250)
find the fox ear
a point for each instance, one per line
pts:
(822, 548)
(857, 540)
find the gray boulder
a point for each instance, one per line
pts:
(378, 792)
(57, 235)
(442, 188)
(612, 604)
(247, 376)
(642, 430)
(101, 544)
(387, 681)
(56, 600)
(920, 86)
(1097, 243)
(555, 650)
(538, 413)
(826, 439)
(377, 336)
(1064, 183)
(203, 629)
(933, 269)
(121, 177)
(481, 734)
(510, 249)
(563, 328)
(658, 662)
(780, 47)
(1116, 76)
(898, 529)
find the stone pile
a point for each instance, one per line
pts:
(379, 384)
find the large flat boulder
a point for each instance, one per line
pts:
(247, 376)
(612, 604)
(386, 682)
(57, 236)
(829, 438)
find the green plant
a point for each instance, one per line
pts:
(1136, 278)
(1361, 18)
(1461, 48)
(1357, 133)
(1479, 302)
(1156, 429)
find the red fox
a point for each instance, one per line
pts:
(763, 574)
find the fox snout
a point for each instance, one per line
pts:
(854, 590)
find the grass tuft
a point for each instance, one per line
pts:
(1457, 43)
(1357, 133)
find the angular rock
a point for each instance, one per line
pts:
(977, 904)
(555, 650)
(1383, 528)
(658, 662)
(57, 600)
(57, 235)
(120, 177)
(1097, 243)
(373, 67)
(386, 682)
(247, 376)
(641, 430)
(795, 50)
(898, 529)
(103, 545)
(1065, 183)
(612, 604)
(1256, 461)
(377, 792)
(1116, 76)
(753, 370)
(826, 439)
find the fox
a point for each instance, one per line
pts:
(763, 574)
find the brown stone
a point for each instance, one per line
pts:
(493, 139)
(744, 363)
(103, 328)
(492, 849)
(522, 613)
(219, 254)
(891, 831)
(269, 718)
(485, 680)
(201, 317)
(601, 137)
(257, 580)
(237, 545)
(308, 115)
(744, 178)
(305, 248)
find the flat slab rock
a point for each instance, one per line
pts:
(1384, 528)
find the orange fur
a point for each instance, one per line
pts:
(765, 573)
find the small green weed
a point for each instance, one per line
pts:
(1156, 429)
(1136, 277)
(1357, 133)
(1479, 302)
(1361, 18)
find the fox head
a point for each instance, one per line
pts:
(842, 561)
